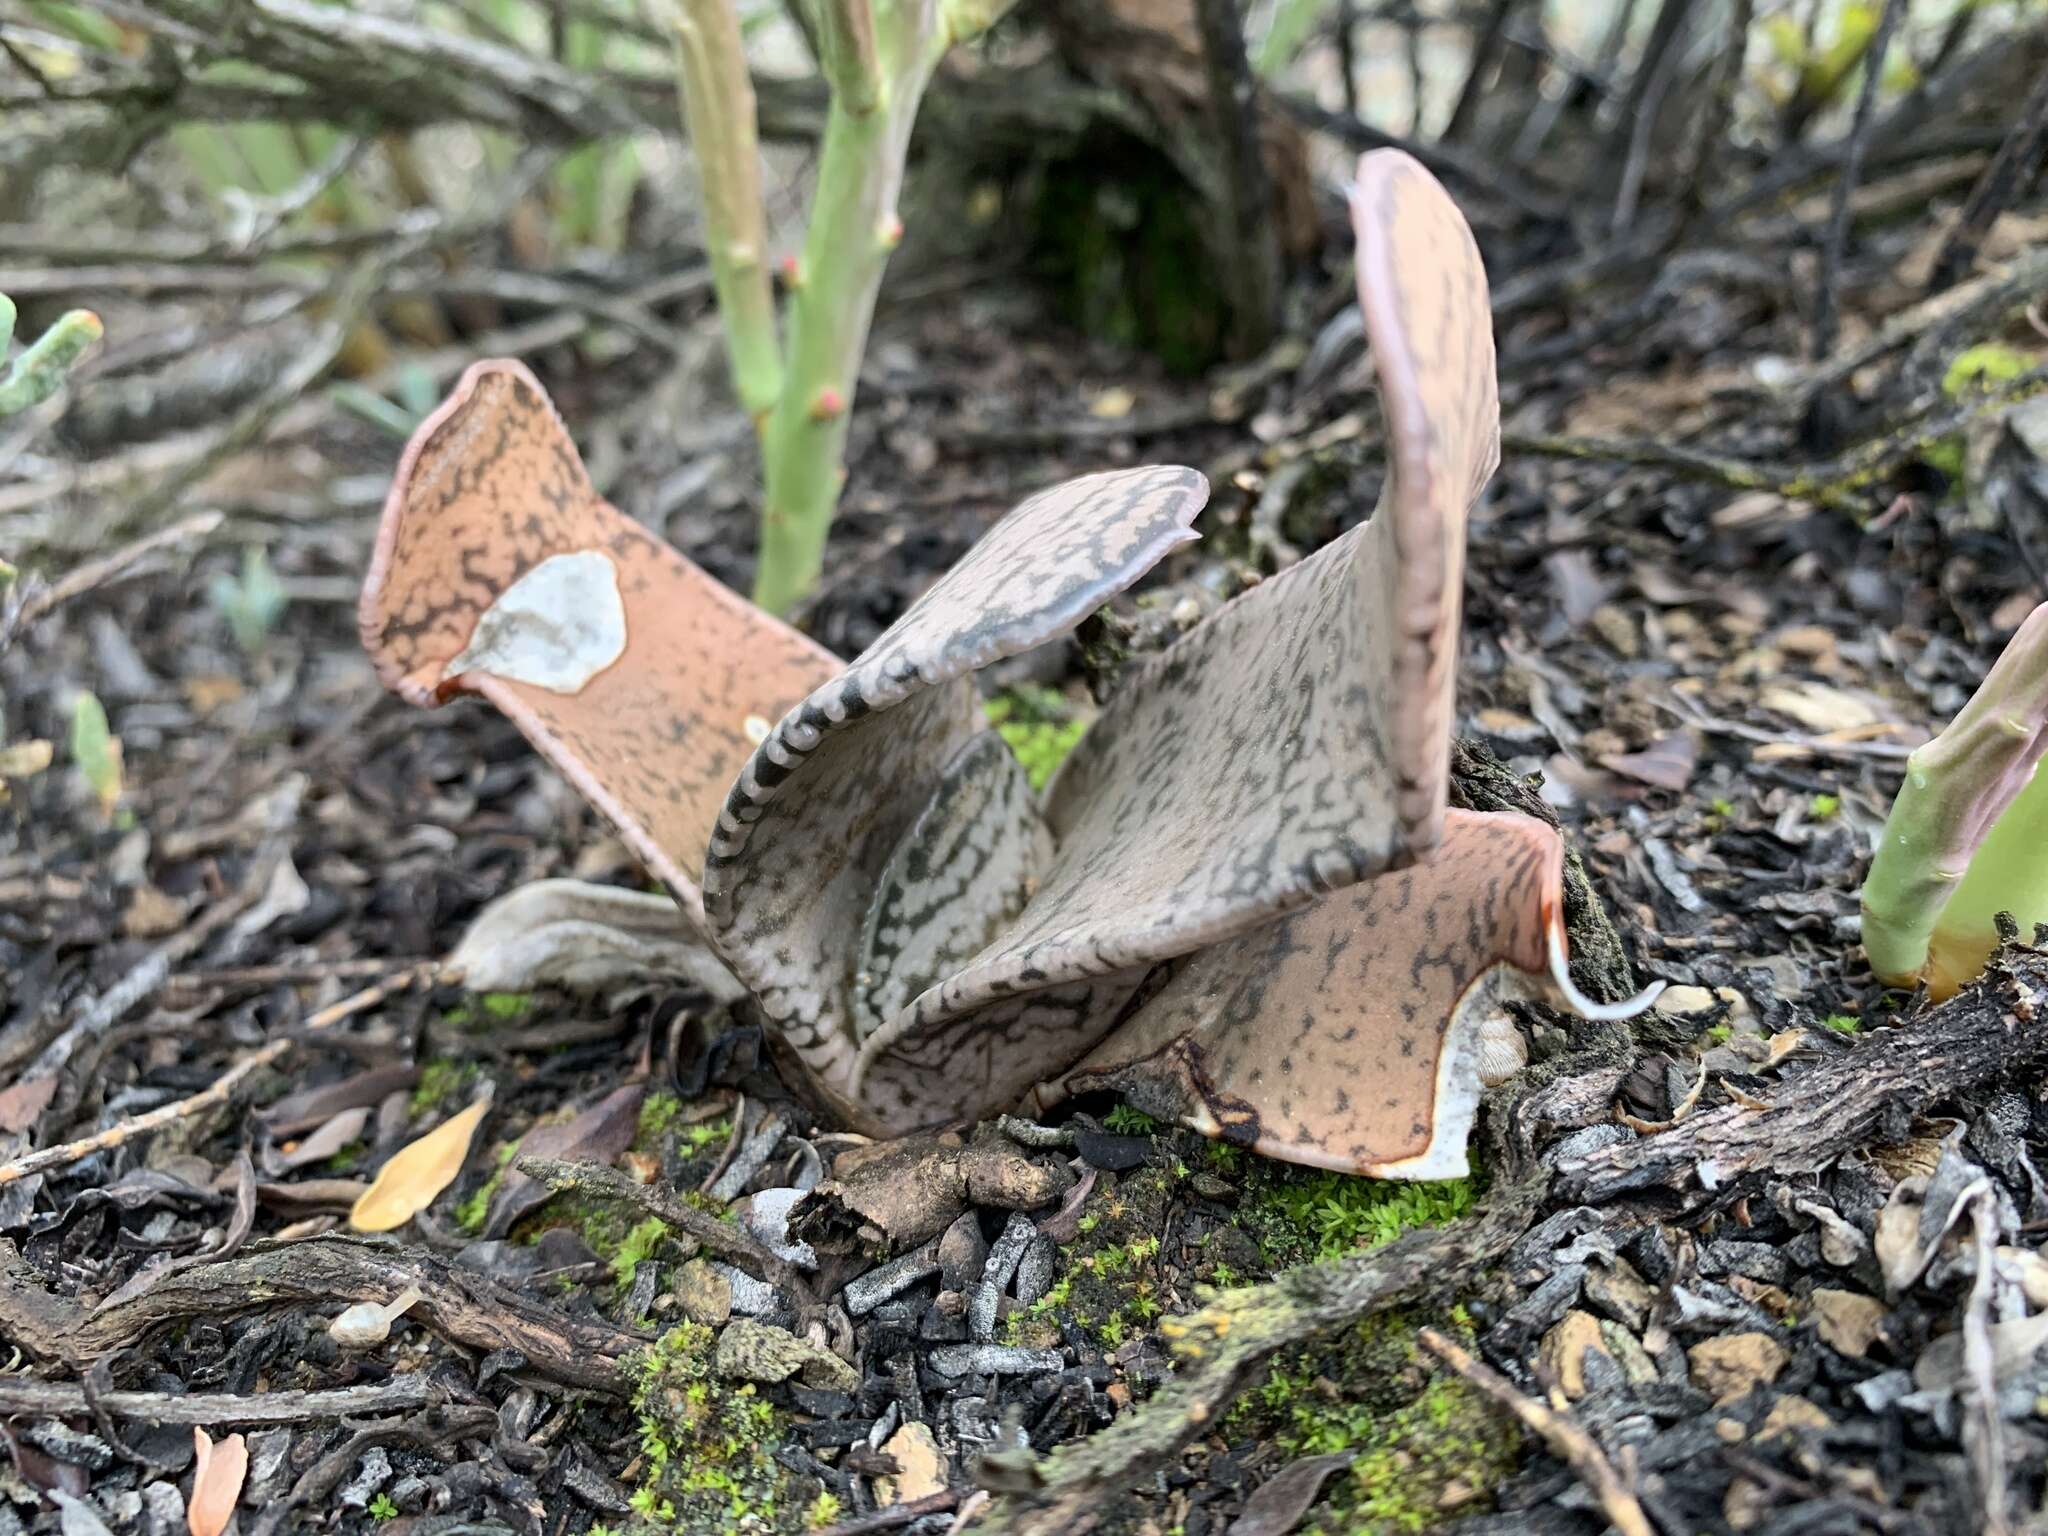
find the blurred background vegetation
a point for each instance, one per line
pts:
(299, 219)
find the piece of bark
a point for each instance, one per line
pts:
(902, 1192)
(1990, 1032)
(466, 1308)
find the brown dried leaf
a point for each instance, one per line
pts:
(598, 1135)
(417, 1173)
(217, 1474)
(22, 1104)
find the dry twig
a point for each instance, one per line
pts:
(1563, 1434)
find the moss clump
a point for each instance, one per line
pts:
(476, 1207)
(1041, 727)
(1301, 1214)
(641, 1242)
(1107, 1282)
(1428, 1448)
(439, 1082)
(705, 1462)
(1982, 368)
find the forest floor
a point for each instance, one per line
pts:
(1718, 685)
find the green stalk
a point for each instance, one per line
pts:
(1956, 849)
(877, 56)
(719, 115)
(854, 226)
(2008, 874)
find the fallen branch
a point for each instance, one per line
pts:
(462, 1306)
(1989, 1032)
(55, 1400)
(1224, 1347)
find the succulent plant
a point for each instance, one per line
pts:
(38, 371)
(1967, 837)
(1242, 901)
(877, 57)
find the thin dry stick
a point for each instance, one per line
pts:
(218, 1091)
(1563, 1435)
(97, 573)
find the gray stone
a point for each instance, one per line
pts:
(962, 1252)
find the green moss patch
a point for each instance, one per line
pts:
(705, 1463)
(1428, 1449)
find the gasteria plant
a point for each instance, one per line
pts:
(877, 56)
(1242, 902)
(1967, 837)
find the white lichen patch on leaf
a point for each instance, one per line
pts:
(556, 627)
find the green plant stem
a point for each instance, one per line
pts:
(2008, 874)
(851, 233)
(719, 115)
(39, 372)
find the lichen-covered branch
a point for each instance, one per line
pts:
(1224, 1347)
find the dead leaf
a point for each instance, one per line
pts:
(417, 1173)
(1283, 1499)
(1818, 707)
(22, 1104)
(1667, 763)
(25, 759)
(217, 1475)
(919, 1470)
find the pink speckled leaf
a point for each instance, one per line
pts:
(1294, 744)
(1343, 1035)
(809, 833)
(490, 490)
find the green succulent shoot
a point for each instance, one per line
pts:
(1967, 837)
(39, 371)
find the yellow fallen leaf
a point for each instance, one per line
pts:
(407, 1184)
(217, 1475)
(1112, 404)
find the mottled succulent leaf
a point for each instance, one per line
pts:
(1345, 1034)
(964, 869)
(818, 813)
(1295, 743)
(1966, 835)
(489, 490)
(571, 933)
